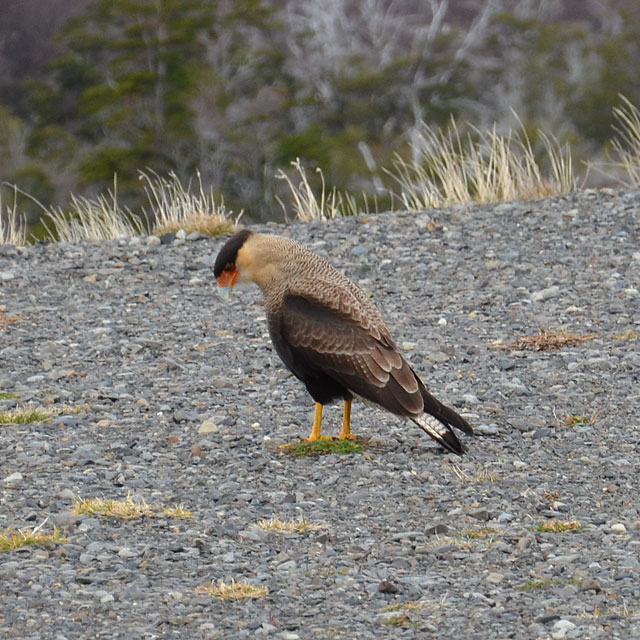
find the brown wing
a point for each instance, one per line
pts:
(365, 361)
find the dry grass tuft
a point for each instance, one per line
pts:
(232, 590)
(13, 228)
(626, 144)
(414, 605)
(558, 526)
(126, 509)
(332, 204)
(25, 415)
(627, 335)
(29, 412)
(99, 219)
(179, 512)
(483, 167)
(175, 207)
(547, 340)
(580, 419)
(11, 540)
(481, 539)
(288, 526)
(6, 319)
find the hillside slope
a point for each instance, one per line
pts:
(161, 391)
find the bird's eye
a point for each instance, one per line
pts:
(229, 266)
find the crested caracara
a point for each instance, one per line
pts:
(331, 335)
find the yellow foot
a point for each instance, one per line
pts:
(311, 438)
(347, 436)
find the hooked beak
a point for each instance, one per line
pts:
(226, 280)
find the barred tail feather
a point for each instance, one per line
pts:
(440, 432)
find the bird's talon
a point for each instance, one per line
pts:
(312, 439)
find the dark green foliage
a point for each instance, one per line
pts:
(238, 90)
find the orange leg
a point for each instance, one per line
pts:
(316, 431)
(346, 434)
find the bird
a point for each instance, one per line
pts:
(331, 335)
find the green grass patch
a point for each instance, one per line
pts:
(304, 449)
(11, 540)
(9, 395)
(534, 585)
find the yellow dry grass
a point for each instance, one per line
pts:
(558, 526)
(232, 590)
(288, 526)
(126, 509)
(448, 168)
(547, 340)
(11, 540)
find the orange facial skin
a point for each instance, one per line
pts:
(228, 278)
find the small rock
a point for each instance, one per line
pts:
(524, 543)
(208, 426)
(167, 238)
(437, 529)
(561, 628)
(196, 452)
(65, 519)
(13, 479)
(545, 294)
(486, 429)
(481, 514)
(505, 516)
(387, 587)
(618, 527)
(591, 585)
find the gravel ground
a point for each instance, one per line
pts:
(163, 393)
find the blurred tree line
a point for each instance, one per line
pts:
(237, 89)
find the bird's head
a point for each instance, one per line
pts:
(226, 269)
(253, 257)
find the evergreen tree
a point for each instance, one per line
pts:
(124, 84)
